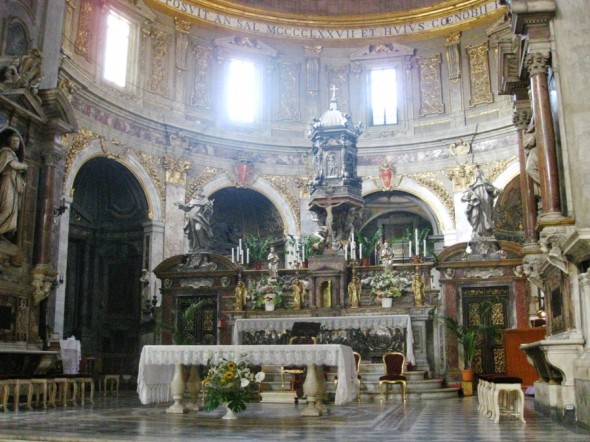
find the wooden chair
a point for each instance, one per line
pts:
(294, 370)
(394, 366)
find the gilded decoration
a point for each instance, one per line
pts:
(429, 180)
(153, 166)
(431, 101)
(176, 170)
(209, 174)
(157, 81)
(289, 92)
(479, 75)
(493, 170)
(283, 184)
(182, 25)
(461, 176)
(283, 23)
(75, 144)
(201, 96)
(84, 29)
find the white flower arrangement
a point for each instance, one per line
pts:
(387, 284)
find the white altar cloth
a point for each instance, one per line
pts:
(156, 365)
(331, 323)
(71, 354)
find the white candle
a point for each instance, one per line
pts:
(360, 251)
(240, 244)
(424, 247)
(302, 253)
(233, 260)
(410, 249)
(247, 256)
(345, 254)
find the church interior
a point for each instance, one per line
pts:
(387, 187)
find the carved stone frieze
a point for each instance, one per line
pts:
(461, 176)
(479, 75)
(201, 96)
(483, 272)
(176, 170)
(431, 101)
(460, 147)
(157, 82)
(429, 180)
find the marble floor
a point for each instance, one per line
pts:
(123, 418)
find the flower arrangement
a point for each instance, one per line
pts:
(387, 284)
(231, 383)
(267, 290)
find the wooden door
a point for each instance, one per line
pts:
(487, 306)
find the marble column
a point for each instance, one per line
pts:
(521, 119)
(537, 64)
(44, 234)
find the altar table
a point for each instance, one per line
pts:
(157, 364)
(331, 323)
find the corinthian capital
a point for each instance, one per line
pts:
(536, 63)
(521, 118)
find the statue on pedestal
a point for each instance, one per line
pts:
(354, 291)
(198, 227)
(386, 256)
(241, 295)
(479, 197)
(298, 293)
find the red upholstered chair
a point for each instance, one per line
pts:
(394, 366)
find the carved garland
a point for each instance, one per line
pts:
(428, 180)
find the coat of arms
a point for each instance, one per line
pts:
(243, 172)
(386, 175)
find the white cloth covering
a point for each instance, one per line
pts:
(331, 323)
(156, 365)
(71, 354)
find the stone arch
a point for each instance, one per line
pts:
(444, 219)
(150, 190)
(288, 216)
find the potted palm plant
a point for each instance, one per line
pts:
(368, 244)
(257, 249)
(469, 335)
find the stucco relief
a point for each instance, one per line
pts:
(479, 75)
(431, 101)
(201, 96)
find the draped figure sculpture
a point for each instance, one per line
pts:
(479, 197)
(198, 227)
(12, 186)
